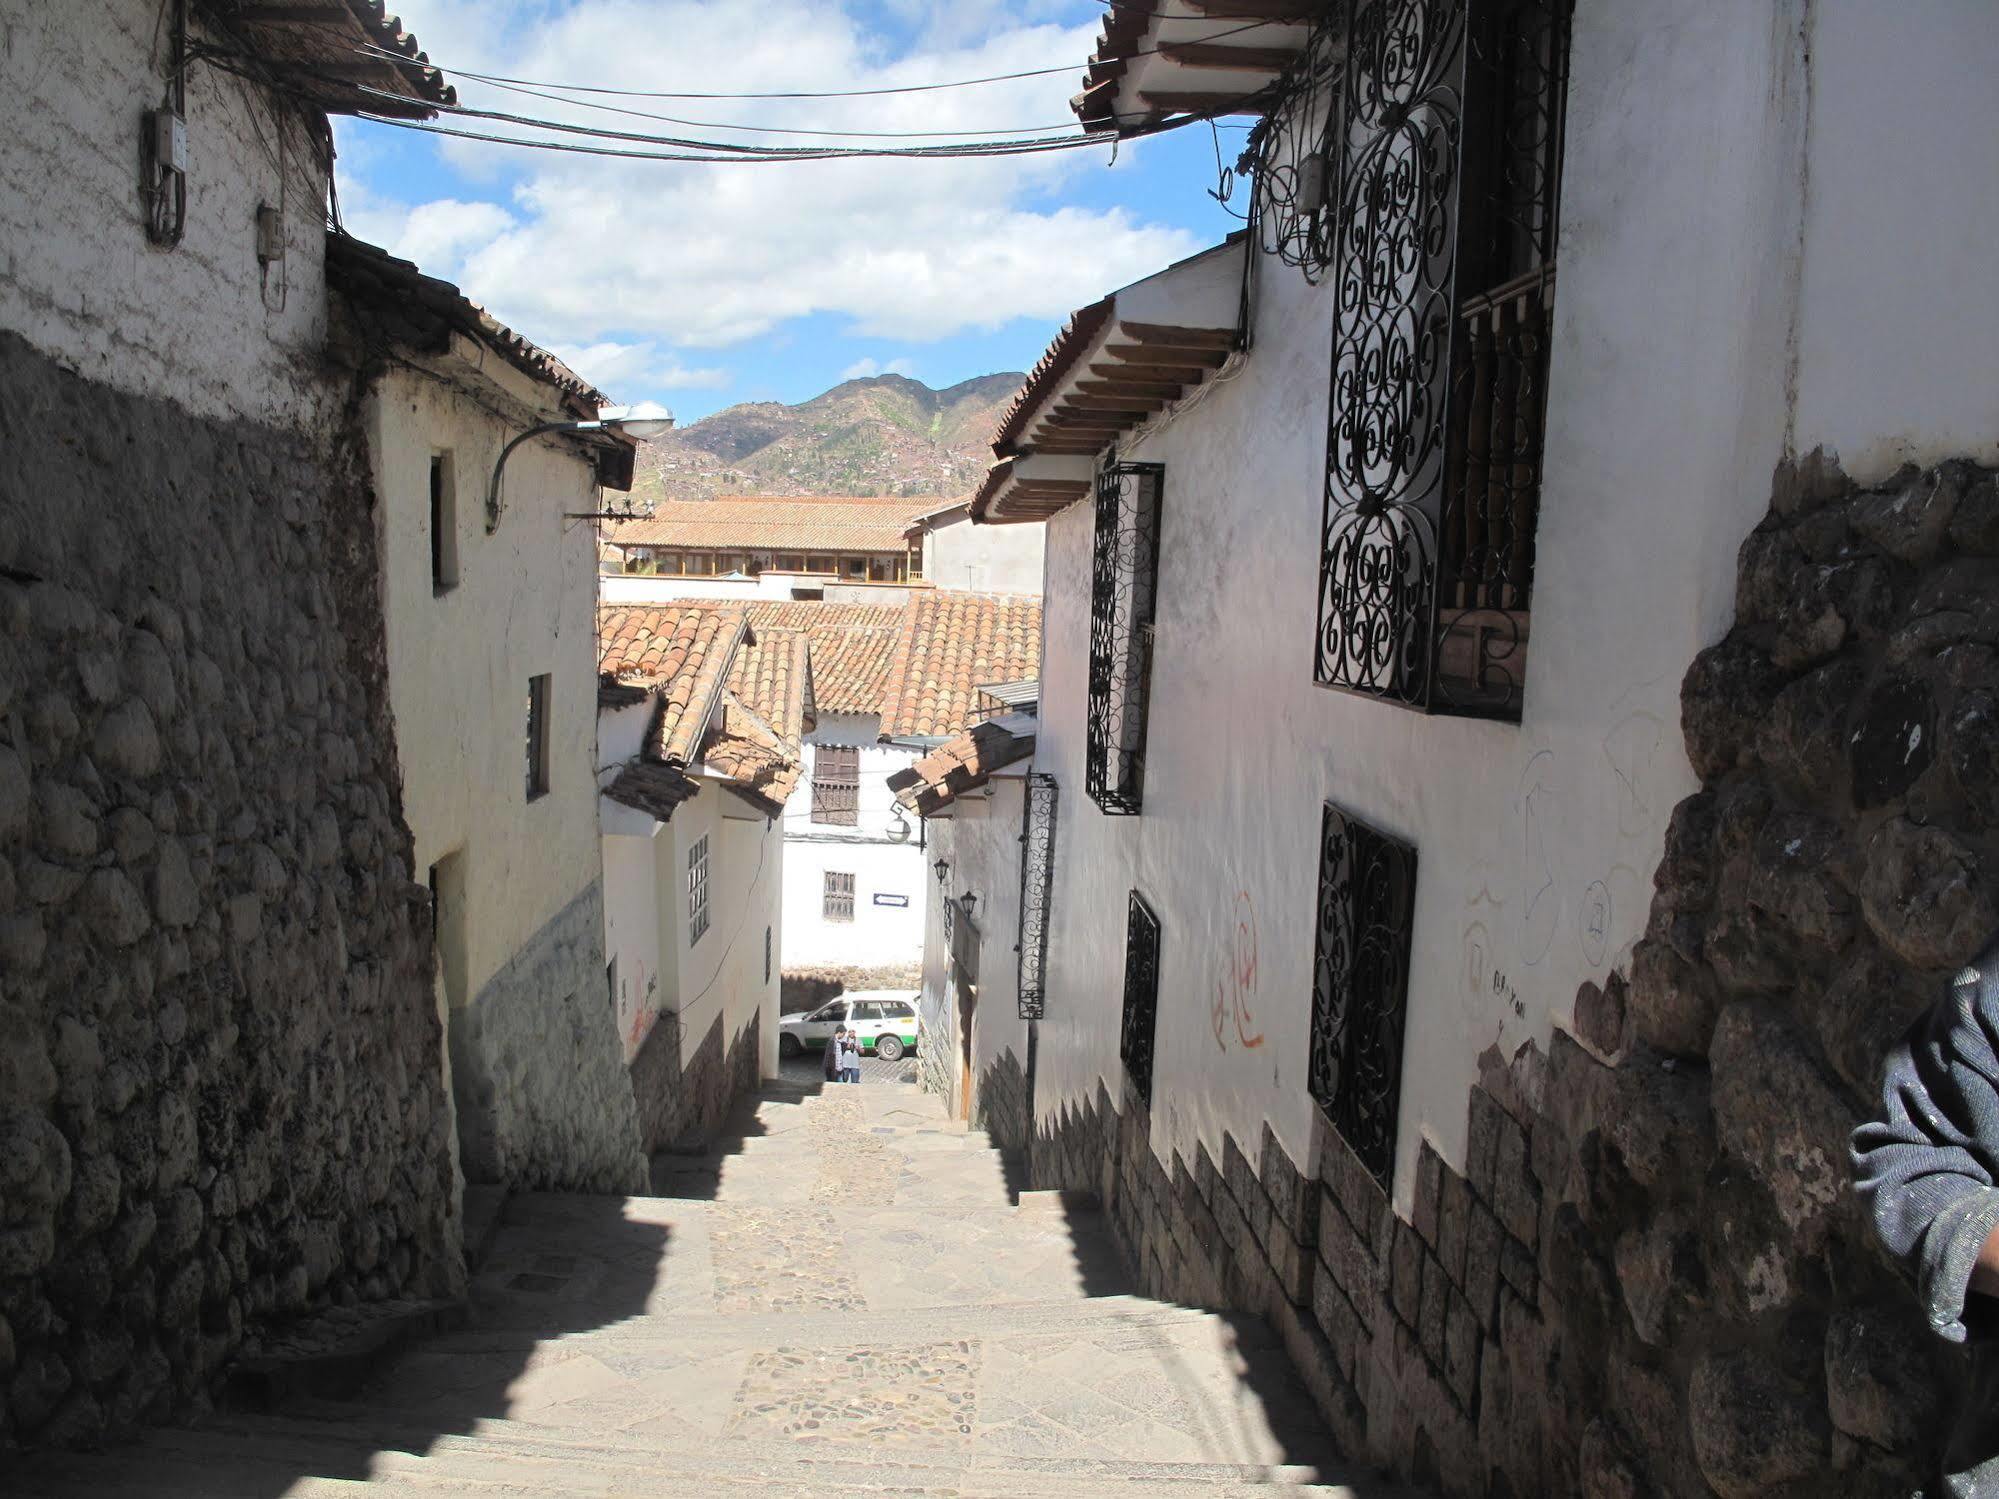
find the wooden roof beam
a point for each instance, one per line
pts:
(1176, 375)
(1281, 11)
(1142, 356)
(1110, 405)
(1180, 337)
(1217, 102)
(1164, 390)
(1234, 59)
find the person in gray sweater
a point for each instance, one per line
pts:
(1928, 1172)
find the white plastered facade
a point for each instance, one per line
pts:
(882, 934)
(1752, 267)
(201, 324)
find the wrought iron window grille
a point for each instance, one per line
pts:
(1124, 585)
(837, 900)
(1293, 157)
(1360, 984)
(697, 890)
(1037, 880)
(1141, 995)
(1449, 125)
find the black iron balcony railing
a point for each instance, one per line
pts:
(1124, 583)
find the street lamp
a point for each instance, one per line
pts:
(943, 867)
(642, 423)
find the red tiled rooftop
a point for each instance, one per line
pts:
(950, 644)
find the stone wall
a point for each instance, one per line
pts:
(686, 1105)
(1652, 1277)
(543, 1099)
(808, 988)
(220, 1061)
(1001, 1104)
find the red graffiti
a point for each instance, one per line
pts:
(1231, 1007)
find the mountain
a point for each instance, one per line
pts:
(884, 435)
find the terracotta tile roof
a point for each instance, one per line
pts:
(950, 644)
(687, 650)
(350, 59)
(795, 523)
(962, 764)
(394, 300)
(756, 739)
(1056, 361)
(852, 646)
(652, 789)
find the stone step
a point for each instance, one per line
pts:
(299, 1458)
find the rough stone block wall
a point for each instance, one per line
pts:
(1001, 1103)
(220, 1063)
(686, 1105)
(1652, 1277)
(544, 1100)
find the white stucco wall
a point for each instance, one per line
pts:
(981, 839)
(983, 559)
(459, 663)
(662, 971)
(879, 935)
(1900, 310)
(1680, 302)
(78, 277)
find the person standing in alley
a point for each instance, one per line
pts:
(850, 1057)
(833, 1063)
(1928, 1172)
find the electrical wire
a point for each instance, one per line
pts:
(388, 55)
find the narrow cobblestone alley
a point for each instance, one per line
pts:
(847, 1299)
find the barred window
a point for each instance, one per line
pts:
(766, 955)
(1450, 141)
(836, 785)
(839, 898)
(697, 890)
(1123, 589)
(1360, 983)
(1037, 881)
(1141, 994)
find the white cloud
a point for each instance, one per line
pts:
(610, 365)
(861, 369)
(651, 255)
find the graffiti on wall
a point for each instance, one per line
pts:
(1230, 1013)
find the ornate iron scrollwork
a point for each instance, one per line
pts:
(1141, 995)
(1449, 138)
(1400, 115)
(1037, 881)
(1123, 590)
(1360, 983)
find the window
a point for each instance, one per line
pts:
(836, 785)
(670, 563)
(790, 562)
(443, 524)
(839, 896)
(867, 1009)
(1037, 878)
(1360, 984)
(857, 568)
(697, 890)
(697, 565)
(1451, 148)
(916, 560)
(537, 737)
(1141, 994)
(1123, 586)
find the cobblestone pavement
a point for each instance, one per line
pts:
(806, 1069)
(854, 1302)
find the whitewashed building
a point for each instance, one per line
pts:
(699, 745)
(494, 706)
(1475, 797)
(989, 559)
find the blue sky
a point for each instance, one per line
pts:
(702, 286)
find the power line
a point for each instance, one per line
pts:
(388, 55)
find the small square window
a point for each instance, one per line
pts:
(537, 737)
(697, 890)
(836, 785)
(839, 896)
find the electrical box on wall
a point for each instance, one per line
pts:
(270, 233)
(169, 140)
